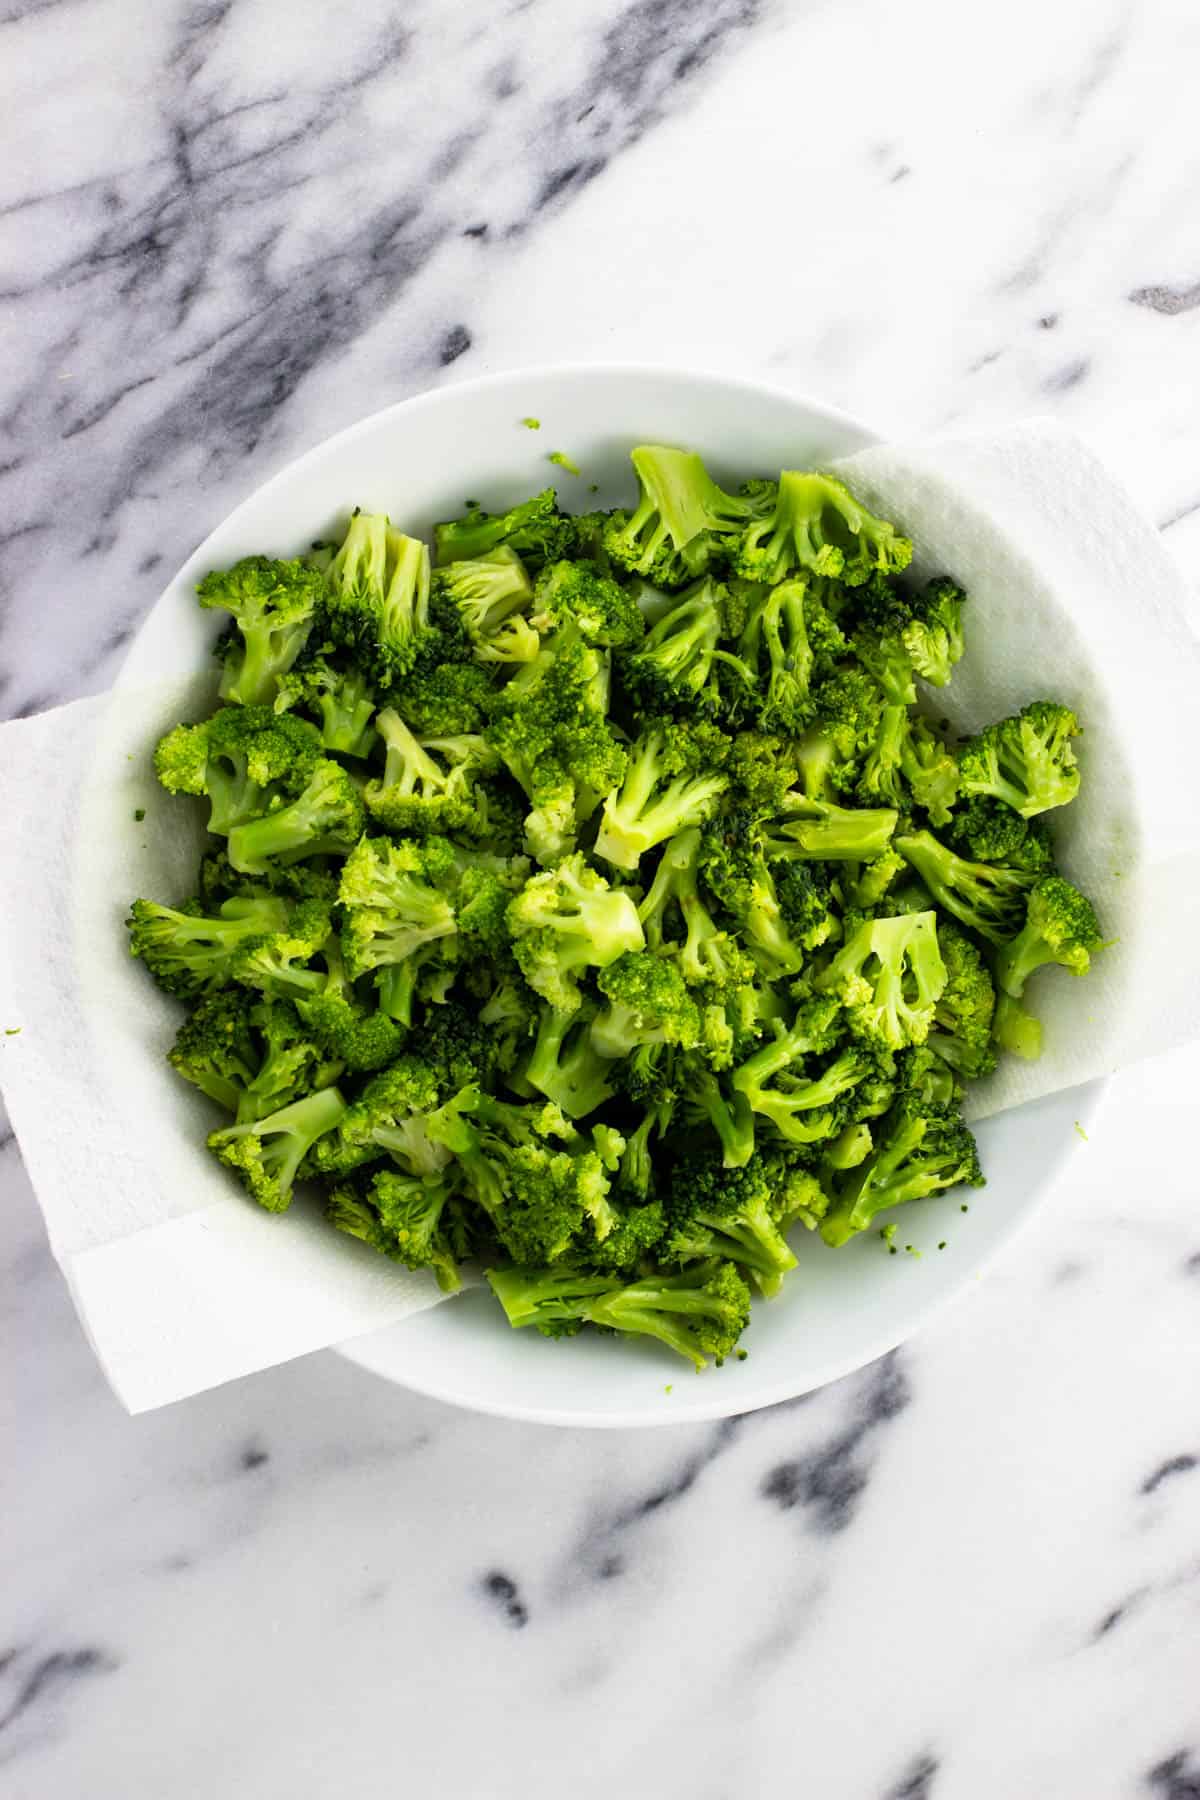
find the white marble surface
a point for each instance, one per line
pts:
(970, 1573)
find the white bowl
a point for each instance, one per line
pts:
(840, 1309)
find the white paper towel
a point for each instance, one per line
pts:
(182, 1283)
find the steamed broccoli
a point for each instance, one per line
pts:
(535, 530)
(343, 698)
(246, 759)
(325, 817)
(565, 1064)
(727, 1213)
(430, 786)
(922, 1150)
(1026, 761)
(701, 1313)
(681, 516)
(889, 975)
(566, 920)
(580, 594)
(273, 606)
(1060, 927)
(411, 1218)
(648, 1003)
(397, 900)
(986, 897)
(378, 599)
(265, 1154)
(816, 524)
(665, 790)
(188, 952)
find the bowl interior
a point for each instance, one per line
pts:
(420, 461)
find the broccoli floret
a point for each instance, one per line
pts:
(273, 606)
(397, 900)
(430, 786)
(775, 650)
(707, 954)
(265, 1154)
(674, 668)
(565, 1064)
(989, 899)
(246, 759)
(510, 1017)
(866, 886)
(665, 790)
(487, 590)
(534, 529)
(216, 1048)
(343, 698)
(930, 771)
(680, 518)
(847, 725)
(189, 953)
(922, 1150)
(805, 904)
(636, 1176)
(962, 1014)
(729, 1114)
(815, 524)
(602, 611)
(362, 1037)
(540, 1195)
(248, 1055)
(701, 1313)
(820, 831)
(277, 962)
(566, 920)
(378, 600)
(648, 1003)
(326, 816)
(1026, 761)
(1060, 927)
(989, 831)
(552, 731)
(736, 871)
(888, 976)
(727, 1213)
(806, 1110)
(403, 1217)
(446, 699)
(933, 634)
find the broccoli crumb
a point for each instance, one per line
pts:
(888, 1232)
(892, 1250)
(563, 461)
(593, 487)
(12, 1031)
(532, 424)
(1079, 1128)
(964, 1207)
(942, 1245)
(139, 813)
(912, 1250)
(670, 1388)
(742, 1355)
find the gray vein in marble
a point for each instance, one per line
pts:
(917, 1781)
(1176, 1778)
(828, 1483)
(504, 1595)
(1168, 300)
(39, 1684)
(1174, 1465)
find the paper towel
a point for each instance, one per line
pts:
(182, 1283)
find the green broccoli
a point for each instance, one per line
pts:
(487, 590)
(273, 605)
(933, 634)
(821, 831)
(265, 1154)
(430, 786)
(815, 524)
(987, 898)
(889, 975)
(534, 529)
(675, 668)
(580, 594)
(930, 771)
(1026, 761)
(922, 1150)
(989, 831)
(327, 816)
(962, 1013)
(397, 900)
(566, 920)
(246, 759)
(728, 1214)
(648, 1003)
(342, 697)
(681, 515)
(565, 1064)
(1016, 1030)
(701, 1313)
(378, 596)
(1060, 927)
(664, 791)
(411, 1218)
(189, 953)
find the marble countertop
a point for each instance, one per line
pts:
(971, 1572)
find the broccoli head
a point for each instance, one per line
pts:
(680, 518)
(700, 1313)
(265, 1154)
(889, 975)
(1027, 761)
(273, 605)
(669, 784)
(1060, 927)
(922, 1149)
(815, 524)
(246, 759)
(568, 919)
